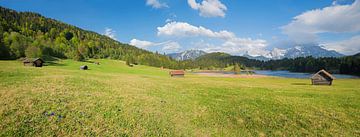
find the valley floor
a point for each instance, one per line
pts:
(112, 99)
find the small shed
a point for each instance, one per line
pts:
(37, 62)
(177, 73)
(27, 62)
(322, 78)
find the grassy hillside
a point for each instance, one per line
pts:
(112, 99)
(33, 35)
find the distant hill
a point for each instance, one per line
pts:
(357, 55)
(187, 55)
(214, 55)
(223, 60)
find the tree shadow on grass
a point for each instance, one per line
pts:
(51, 63)
(299, 84)
(88, 61)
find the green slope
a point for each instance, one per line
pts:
(112, 99)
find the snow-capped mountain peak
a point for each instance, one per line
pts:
(188, 54)
(300, 51)
(277, 53)
(274, 54)
(298, 48)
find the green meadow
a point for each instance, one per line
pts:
(112, 99)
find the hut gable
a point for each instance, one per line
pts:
(36, 62)
(177, 73)
(322, 78)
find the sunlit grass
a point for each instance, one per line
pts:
(112, 99)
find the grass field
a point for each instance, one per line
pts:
(112, 99)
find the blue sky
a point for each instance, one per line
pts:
(234, 26)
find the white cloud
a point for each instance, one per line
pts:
(239, 46)
(209, 8)
(184, 29)
(110, 33)
(232, 44)
(171, 47)
(168, 20)
(334, 19)
(167, 46)
(141, 43)
(348, 47)
(156, 4)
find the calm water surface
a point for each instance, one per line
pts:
(288, 74)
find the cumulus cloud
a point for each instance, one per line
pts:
(156, 4)
(168, 20)
(110, 33)
(171, 47)
(167, 46)
(348, 47)
(239, 46)
(209, 8)
(184, 29)
(334, 19)
(142, 43)
(231, 43)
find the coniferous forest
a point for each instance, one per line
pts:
(28, 34)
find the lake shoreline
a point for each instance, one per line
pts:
(218, 74)
(266, 73)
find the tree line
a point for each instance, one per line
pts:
(341, 65)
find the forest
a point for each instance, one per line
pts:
(28, 34)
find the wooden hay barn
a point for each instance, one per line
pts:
(177, 73)
(37, 62)
(322, 78)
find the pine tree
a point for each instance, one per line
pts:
(237, 68)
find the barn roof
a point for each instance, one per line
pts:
(324, 72)
(177, 72)
(32, 59)
(26, 60)
(35, 59)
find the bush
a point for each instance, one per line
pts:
(33, 52)
(78, 56)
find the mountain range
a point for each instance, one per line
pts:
(275, 54)
(187, 55)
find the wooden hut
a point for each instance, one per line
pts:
(37, 62)
(322, 78)
(177, 73)
(27, 62)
